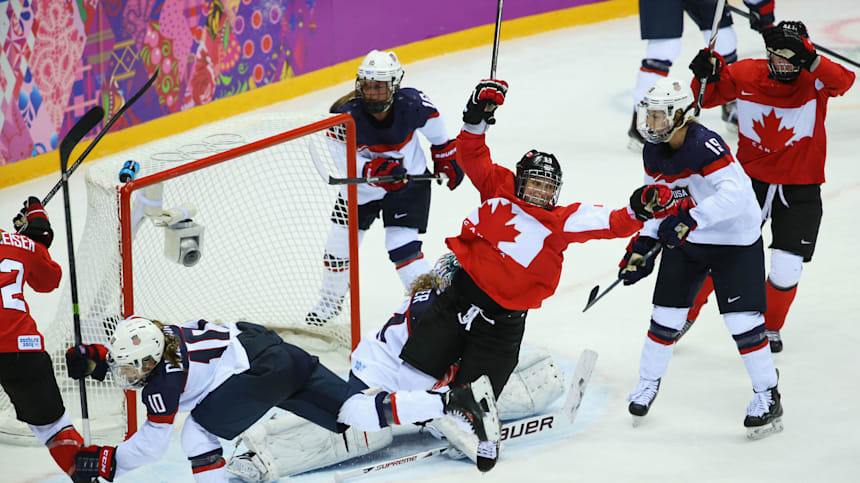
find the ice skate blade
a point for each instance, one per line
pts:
(761, 432)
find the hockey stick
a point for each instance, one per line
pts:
(718, 15)
(92, 117)
(98, 138)
(403, 178)
(593, 297)
(817, 47)
(496, 40)
(525, 427)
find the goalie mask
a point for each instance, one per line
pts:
(445, 269)
(667, 106)
(538, 180)
(780, 68)
(378, 79)
(135, 348)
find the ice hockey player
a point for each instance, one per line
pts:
(227, 377)
(661, 23)
(510, 251)
(26, 370)
(785, 93)
(716, 229)
(285, 446)
(387, 119)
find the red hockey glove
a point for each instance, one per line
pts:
(386, 167)
(87, 360)
(633, 269)
(675, 228)
(651, 201)
(32, 221)
(445, 161)
(761, 15)
(707, 65)
(96, 461)
(486, 97)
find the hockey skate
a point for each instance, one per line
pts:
(328, 307)
(730, 115)
(636, 141)
(775, 340)
(247, 467)
(641, 399)
(472, 422)
(764, 414)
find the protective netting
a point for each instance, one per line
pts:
(266, 217)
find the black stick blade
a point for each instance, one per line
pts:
(86, 123)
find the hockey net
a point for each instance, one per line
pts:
(260, 193)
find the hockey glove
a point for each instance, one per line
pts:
(707, 66)
(96, 461)
(789, 45)
(386, 167)
(761, 15)
(445, 161)
(32, 221)
(87, 360)
(486, 97)
(633, 269)
(675, 228)
(651, 201)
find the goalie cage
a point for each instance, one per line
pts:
(266, 209)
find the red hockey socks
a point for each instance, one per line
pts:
(778, 302)
(63, 447)
(701, 299)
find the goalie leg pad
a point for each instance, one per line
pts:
(536, 382)
(289, 445)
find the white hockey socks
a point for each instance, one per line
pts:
(373, 412)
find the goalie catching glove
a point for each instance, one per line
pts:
(32, 222)
(386, 167)
(486, 97)
(87, 360)
(651, 201)
(445, 162)
(633, 268)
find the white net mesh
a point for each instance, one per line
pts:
(266, 217)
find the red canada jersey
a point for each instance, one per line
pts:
(22, 260)
(514, 250)
(781, 137)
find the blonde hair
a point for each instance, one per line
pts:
(342, 100)
(171, 346)
(425, 281)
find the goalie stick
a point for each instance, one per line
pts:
(817, 47)
(593, 297)
(524, 427)
(718, 14)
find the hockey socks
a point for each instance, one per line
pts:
(778, 302)
(63, 447)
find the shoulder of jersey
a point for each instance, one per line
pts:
(411, 98)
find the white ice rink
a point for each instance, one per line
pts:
(570, 94)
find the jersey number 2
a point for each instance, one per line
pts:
(9, 291)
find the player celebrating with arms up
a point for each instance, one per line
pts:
(387, 120)
(716, 230)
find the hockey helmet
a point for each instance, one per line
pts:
(780, 68)
(445, 268)
(657, 117)
(134, 349)
(538, 180)
(378, 66)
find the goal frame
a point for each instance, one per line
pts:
(126, 245)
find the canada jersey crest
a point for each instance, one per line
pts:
(509, 229)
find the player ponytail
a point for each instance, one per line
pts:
(171, 352)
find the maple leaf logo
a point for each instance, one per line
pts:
(493, 223)
(773, 138)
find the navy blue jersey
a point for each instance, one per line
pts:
(410, 111)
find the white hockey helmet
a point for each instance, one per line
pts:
(445, 268)
(134, 349)
(657, 117)
(378, 66)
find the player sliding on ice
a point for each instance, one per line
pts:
(287, 445)
(227, 377)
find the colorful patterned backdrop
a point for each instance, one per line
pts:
(61, 57)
